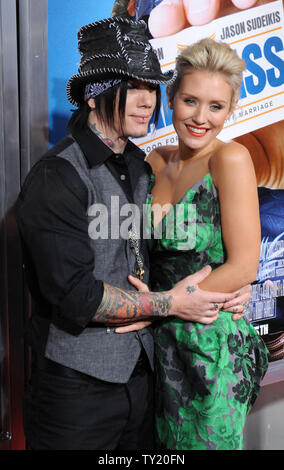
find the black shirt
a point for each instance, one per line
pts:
(51, 213)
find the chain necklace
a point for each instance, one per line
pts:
(134, 242)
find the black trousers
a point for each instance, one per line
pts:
(78, 412)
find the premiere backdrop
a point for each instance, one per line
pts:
(256, 34)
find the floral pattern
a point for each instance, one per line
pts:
(208, 376)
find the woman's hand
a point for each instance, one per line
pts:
(139, 325)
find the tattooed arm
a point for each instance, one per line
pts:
(119, 306)
(185, 301)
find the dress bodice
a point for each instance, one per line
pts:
(188, 237)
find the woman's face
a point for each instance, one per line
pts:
(200, 107)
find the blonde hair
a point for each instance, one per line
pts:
(212, 56)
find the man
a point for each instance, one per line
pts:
(91, 388)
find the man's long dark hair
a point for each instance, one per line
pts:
(105, 106)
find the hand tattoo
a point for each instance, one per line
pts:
(119, 306)
(191, 289)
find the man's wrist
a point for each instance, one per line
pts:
(161, 303)
(119, 306)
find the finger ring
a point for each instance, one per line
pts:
(216, 306)
(246, 306)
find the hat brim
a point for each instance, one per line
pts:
(75, 85)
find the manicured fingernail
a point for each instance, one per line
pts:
(167, 18)
(242, 4)
(201, 12)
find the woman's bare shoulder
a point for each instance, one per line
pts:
(159, 157)
(230, 158)
(229, 154)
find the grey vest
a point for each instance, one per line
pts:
(99, 351)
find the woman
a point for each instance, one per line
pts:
(208, 376)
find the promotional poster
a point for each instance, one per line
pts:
(254, 29)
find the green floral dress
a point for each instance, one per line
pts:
(208, 376)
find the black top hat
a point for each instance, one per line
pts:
(115, 47)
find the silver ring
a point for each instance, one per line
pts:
(246, 306)
(216, 306)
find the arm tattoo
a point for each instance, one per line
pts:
(119, 306)
(190, 289)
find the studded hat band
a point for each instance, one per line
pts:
(94, 89)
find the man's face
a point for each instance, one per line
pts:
(140, 104)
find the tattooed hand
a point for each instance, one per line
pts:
(185, 300)
(190, 289)
(193, 304)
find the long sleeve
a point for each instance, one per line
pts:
(51, 215)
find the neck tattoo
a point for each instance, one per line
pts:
(105, 140)
(94, 129)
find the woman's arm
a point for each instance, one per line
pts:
(234, 176)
